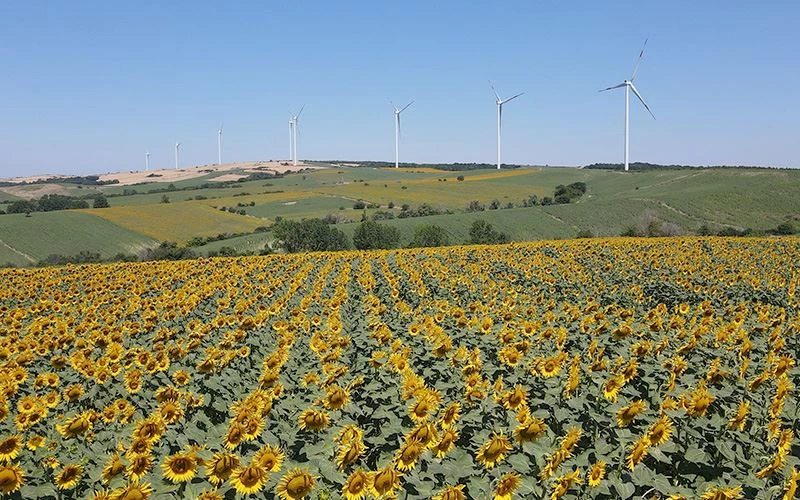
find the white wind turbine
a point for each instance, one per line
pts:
(291, 138)
(177, 151)
(219, 145)
(397, 132)
(500, 103)
(628, 84)
(293, 124)
(147, 160)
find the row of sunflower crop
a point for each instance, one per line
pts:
(613, 368)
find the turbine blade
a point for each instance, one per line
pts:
(300, 112)
(512, 98)
(393, 106)
(612, 88)
(495, 92)
(407, 105)
(641, 99)
(638, 60)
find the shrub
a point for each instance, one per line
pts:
(475, 206)
(460, 178)
(100, 201)
(785, 228)
(429, 235)
(164, 198)
(359, 205)
(482, 233)
(309, 235)
(585, 233)
(370, 235)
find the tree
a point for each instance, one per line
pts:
(370, 235)
(785, 228)
(21, 207)
(429, 235)
(164, 199)
(309, 235)
(482, 233)
(100, 201)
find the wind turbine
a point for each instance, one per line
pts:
(147, 161)
(177, 149)
(219, 145)
(628, 84)
(397, 132)
(500, 103)
(294, 122)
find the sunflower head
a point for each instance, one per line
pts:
(596, 473)
(9, 448)
(385, 481)
(295, 484)
(507, 485)
(270, 457)
(180, 467)
(221, 466)
(451, 493)
(69, 476)
(357, 485)
(133, 490)
(494, 450)
(314, 420)
(250, 479)
(11, 478)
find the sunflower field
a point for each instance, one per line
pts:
(604, 368)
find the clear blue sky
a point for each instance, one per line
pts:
(88, 86)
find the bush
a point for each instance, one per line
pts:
(100, 201)
(359, 205)
(21, 207)
(429, 235)
(167, 251)
(460, 178)
(482, 233)
(370, 235)
(704, 230)
(164, 199)
(785, 228)
(475, 206)
(585, 233)
(309, 235)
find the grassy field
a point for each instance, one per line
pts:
(178, 222)
(615, 201)
(66, 233)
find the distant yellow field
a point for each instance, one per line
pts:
(177, 222)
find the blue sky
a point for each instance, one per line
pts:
(89, 86)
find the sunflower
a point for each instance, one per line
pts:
(101, 494)
(564, 483)
(270, 457)
(9, 448)
(170, 411)
(660, 431)
(73, 392)
(357, 485)
(494, 450)
(235, 435)
(626, 414)
(336, 397)
(596, 473)
(75, 426)
(139, 467)
(638, 452)
(69, 476)
(249, 479)
(221, 466)
(349, 453)
(135, 489)
(740, 419)
(790, 489)
(425, 433)
(180, 467)
(348, 434)
(720, 493)
(698, 401)
(35, 442)
(181, 377)
(113, 468)
(450, 415)
(407, 456)
(422, 408)
(612, 386)
(529, 430)
(516, 397)
(446, 443)
(385, 482)
(507, 485)
(550, 367)
(11, 478)
(210, 495)
(295, 484)
(314, 420)
(451, 493)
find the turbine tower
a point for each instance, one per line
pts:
(500, 103)
(219, 145)
(628, 84)
(147, 161)
(294, 121)
(291, 138)
(397, 132)
(177, 150)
